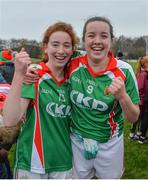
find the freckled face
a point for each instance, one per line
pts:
(97, 40)
(59, 49)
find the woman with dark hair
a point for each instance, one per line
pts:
(103, 91)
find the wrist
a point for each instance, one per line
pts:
(18, 77)
(124, 98)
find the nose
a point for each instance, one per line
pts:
(61, 49)
(97, 40)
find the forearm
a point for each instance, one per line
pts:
(12, 105)
(130, 110)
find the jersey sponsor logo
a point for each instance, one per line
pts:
(46, 91)
(57, 110)
(76, 79)
(61, 95)
(91, 82)
(87, 102)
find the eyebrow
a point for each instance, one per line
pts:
(54, 41)
(103, 32)
(59, 42)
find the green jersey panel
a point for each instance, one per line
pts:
(44, 142)
(30, 89)
(96, 114)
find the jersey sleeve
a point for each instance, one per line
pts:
(131, 86)
(28, 91)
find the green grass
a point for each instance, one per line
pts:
(136, 159)
(134, 65)
(35, 60)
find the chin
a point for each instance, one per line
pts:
(96, 56)
(60, 66)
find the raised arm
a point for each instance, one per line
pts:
(15, 106)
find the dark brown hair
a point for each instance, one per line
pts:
(97, 18)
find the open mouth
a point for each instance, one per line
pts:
(97, 49)
(60, 58)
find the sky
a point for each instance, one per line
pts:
(30, 18)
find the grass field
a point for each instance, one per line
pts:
(136, 159)
(136, 155)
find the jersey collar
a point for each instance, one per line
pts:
(110, 66)
(46, 69)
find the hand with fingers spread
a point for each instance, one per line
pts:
(22, 60)
(117, 88)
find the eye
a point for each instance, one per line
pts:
(68, 46)
(104, 35)
(90, 35)
(54, 44)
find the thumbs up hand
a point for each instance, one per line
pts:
(22, 60)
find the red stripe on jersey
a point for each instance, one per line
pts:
(112, 124)
(118, 73)
(38, 138)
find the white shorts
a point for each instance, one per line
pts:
(108, 163)
(23, 174)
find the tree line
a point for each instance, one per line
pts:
(132, 48)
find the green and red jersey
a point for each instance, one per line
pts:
(44, 142)
(95, 113)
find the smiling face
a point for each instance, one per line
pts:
(59, 49)
(97, 40)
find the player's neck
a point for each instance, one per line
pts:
(99, 66)
(57, 72)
